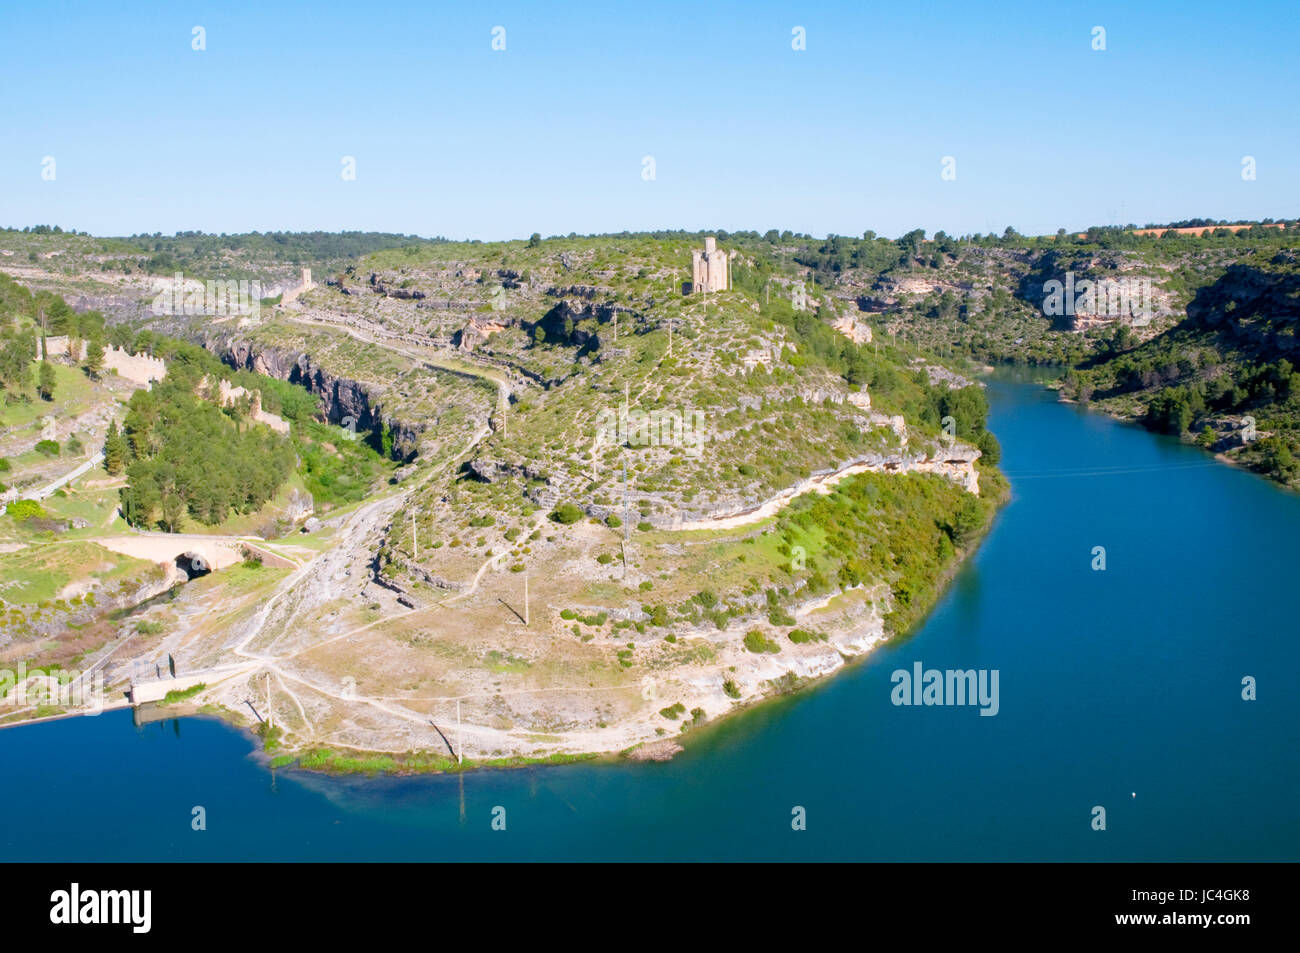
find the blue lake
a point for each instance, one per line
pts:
(1112, 684)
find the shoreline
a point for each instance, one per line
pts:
(854, 644)
(1219, 456)
(362, 762)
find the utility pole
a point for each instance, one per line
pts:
(627, 517)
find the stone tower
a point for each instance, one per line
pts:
(710, 269)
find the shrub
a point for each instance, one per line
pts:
(25, 509)
(779, 616)
(48, 447)
(566, 513)
(757, 642)
(729, 686)
(613, 522)
(673, 711)
(799, 636)
(644, 527)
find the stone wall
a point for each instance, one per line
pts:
(229, 395)
(304, 286)
(137, 368)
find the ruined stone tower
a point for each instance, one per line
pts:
(710, 269)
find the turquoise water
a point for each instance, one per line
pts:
(1111, 684)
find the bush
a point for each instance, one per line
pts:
(644, 527)
(729, 686)
(673, 711)
(568, 614)
(48, 447)
(779, 616)
(604, 559)
(800, 636)
(613, 522)
(25, 510)
(758, 643)
(566, 513)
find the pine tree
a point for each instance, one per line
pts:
(94, 357)
(114, 450)
(45, 381)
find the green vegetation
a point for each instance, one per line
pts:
(419, 762)
(903, 529)
(566, 513)
(271, 735)
(24, 510)
(336, 471)
(173, 438)
(757, 642)
(180, 695)
(1230, 362)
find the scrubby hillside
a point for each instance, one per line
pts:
(617, 493)
(1224, 375)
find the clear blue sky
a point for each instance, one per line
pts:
(453, 138)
